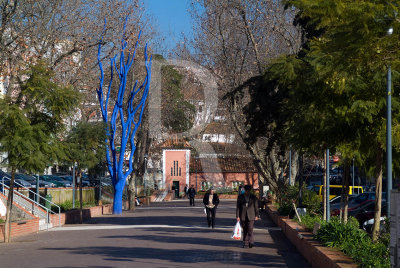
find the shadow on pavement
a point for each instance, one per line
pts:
(190, 240)
(167, 220)
(187, 256)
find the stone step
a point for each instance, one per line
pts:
(43, 225)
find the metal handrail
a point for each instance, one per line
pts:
(31, 200)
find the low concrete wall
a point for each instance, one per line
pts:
(312, 250)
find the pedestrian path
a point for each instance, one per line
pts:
(168, 237)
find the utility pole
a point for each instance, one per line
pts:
(290, 165)
(389, 138)
(328, 212)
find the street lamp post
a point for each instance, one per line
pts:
(389, 138)
(353, 175)
(328, 212)
(290, 165)
(389, 133)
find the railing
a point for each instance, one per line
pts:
(26, 202)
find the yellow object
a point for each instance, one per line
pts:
(335, 190)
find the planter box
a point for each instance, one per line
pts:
(312, 250)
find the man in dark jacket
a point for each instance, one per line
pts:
(247, 212)
(192, 194)
(211, 202)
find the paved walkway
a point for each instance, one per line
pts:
(162, 235)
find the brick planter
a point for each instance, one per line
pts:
(72, 217)
(21, 228)
(314, 252)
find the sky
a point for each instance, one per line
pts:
(172, 17)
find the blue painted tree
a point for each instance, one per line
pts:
(125, 117)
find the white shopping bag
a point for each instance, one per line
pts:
(237, 232)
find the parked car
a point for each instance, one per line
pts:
(56, 180)
(70, 178)
(334, 203)
(18, 182)
(367, 226)
(365, 196)
(354, 210)
(367, 212)
(32, 180)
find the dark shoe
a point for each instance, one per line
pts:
(245, 246)
(251, 245)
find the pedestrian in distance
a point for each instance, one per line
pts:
(240, 190)
(192, 194)
(211, 202)
(186, 190)
(246, 213)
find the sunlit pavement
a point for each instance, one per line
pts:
(161, 235)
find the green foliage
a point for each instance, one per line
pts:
(67, 206)
(177, 114)
(291, 193)
(30, 122)
(308, 221)
(354, 242)
(85, 144)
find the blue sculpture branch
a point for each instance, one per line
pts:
(116, 164)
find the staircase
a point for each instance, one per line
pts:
(31, 205)
(161, 196)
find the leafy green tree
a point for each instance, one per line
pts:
(177, 113)
(29, 124)
(85, 146)
(348, 62)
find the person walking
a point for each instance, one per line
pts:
(192, 194)
(246, 213)
(186, 190)
(211, 202)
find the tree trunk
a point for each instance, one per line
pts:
(324, 194)
(346, 193)
(132, 192)
(118, 192)
(378, 198)
(7, 226)
(294, 168)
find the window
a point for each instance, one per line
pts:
(176, 170)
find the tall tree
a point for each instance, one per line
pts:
(30, 123)
(348, 63)
(235, 40)
(125, 117)
(85, 146)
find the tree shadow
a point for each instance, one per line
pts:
(189, 240)
(161, 220)
(186, 256)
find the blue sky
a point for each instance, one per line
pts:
(172, 19)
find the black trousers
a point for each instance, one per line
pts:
(248, 227)
(191, 201)
(211, 216)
